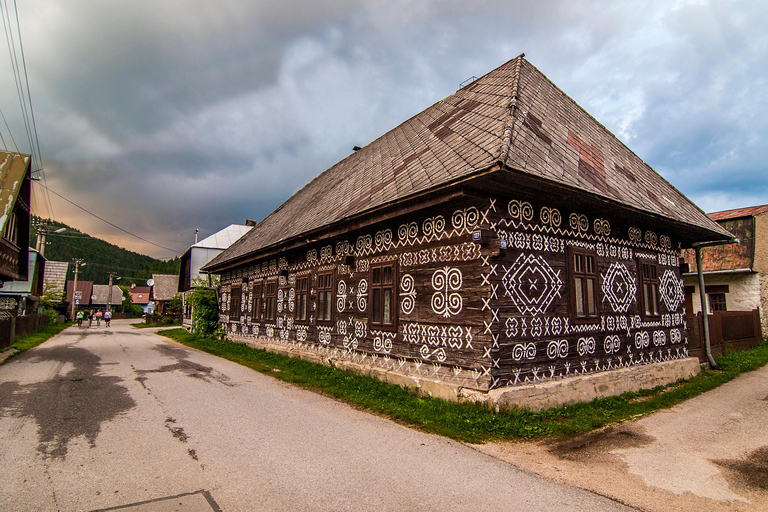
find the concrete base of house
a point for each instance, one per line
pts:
(542, 395)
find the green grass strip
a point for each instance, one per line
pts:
(27, 341)
(473, 423)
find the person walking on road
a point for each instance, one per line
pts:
(99, 314)
(107, 318)
(79, 318)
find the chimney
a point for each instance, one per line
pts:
(250, 222)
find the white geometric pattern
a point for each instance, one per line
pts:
(671, 290)
(619, 287)
(532, 284)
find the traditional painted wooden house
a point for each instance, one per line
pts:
(14, 215)
(501, 237)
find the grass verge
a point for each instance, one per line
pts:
(473, 423)
(27, 341)
(143, 325)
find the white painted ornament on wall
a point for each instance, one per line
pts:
(671, 290)
(619, 287)
(447, 301)
(407, 294)
(532, 284)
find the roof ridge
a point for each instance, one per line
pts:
(506, 137)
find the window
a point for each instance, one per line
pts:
(649, 289)
(256, 303)
(382, 313)
(235, 299)
(325, 297)
(302, 292)
(583, 269)
(270, 291)
(717, 302)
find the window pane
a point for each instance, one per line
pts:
(387, 275)
(590, 306)
(387, 306)
(376, 279)
(328, 305)
(376, 306)
(579, 294)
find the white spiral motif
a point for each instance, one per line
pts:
(635, 235)
(406, 231)
(433, 225)
(341, 297)
(343, 248)
(579, 222)
(382, 343)
(446, 300)
(550, 216)
(312, 255)
(280, 299)
(557, 348)
(466, 218)
(611, 344)
(650, 238)
(407, 294)
(383, 238)
(675, 336)
(586, 346)
(665, 242)
(602, 227)
(659, 338)
(341, 327)
(524, 351)
(642, 339)
(362, 295)
(520, 210)
(364, 242)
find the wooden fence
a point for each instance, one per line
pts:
(17, 326)
(728, 330)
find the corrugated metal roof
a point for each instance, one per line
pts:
(749, 211)
(513, 116)
(13, 167)
(224, 238)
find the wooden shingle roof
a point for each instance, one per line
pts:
(513, 116)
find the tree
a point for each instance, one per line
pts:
(205, 312)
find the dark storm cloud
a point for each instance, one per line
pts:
(178, 115)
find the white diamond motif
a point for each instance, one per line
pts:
(532, 284)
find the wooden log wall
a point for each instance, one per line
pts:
(438, 289)
(535, 333)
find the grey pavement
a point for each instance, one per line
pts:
(121, 419)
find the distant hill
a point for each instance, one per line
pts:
(101, 257)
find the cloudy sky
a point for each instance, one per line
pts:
(166, 116)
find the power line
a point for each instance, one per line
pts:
(106, 221)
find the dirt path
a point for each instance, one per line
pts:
(710, 453)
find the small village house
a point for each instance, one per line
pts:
(164, 289)
(21, 297)
(14, 215)
(200, 254)
(140, 295)
(101, 299)
(735, 279)
(498, 240)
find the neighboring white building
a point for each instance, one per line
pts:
(200, 254)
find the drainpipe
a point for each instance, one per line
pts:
(703, 296)
(704, 313)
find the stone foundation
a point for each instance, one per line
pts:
(543, 395)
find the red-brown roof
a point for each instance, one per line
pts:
(512, 116)
(749, 211)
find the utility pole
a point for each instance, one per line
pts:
(42, 232)
(109, 295)
(78, 264)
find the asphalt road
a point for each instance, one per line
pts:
(122, 418)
